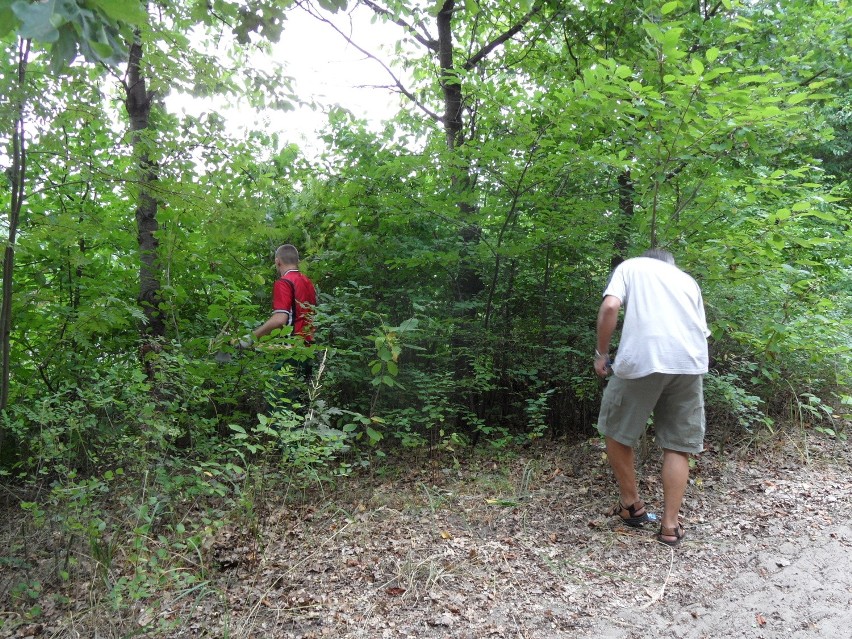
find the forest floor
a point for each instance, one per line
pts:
(518, 546)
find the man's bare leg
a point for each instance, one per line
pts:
(675, 478)
(622, 461)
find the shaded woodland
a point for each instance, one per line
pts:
(459, 249)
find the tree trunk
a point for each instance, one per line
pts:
(468, 280)
(626, 207)
(138, 105)
(18, 172)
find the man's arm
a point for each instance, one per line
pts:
(607, 320)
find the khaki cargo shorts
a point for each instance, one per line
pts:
(676, 401)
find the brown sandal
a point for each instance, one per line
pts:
(678, 532)
(630, 515)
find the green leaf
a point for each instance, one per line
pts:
(712, 54)
(697, 66)
(822, 215)
(214, 311)
(669, 7)
(797, 97)
(7, 17)
(129, 12)
(374, 435)
(653, 30)
(102, 49)
(65, 50)
(409, 324)
(36, 21)
(332, 5)
(776, 241)
(671, 40)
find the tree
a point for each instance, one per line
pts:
(17, 179)
(599, 130)
(91, 28)
(69, 28)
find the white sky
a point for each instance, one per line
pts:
(326, 69)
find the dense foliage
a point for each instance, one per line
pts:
(460, 267)
(460, 251)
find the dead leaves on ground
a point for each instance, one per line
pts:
(517, 548)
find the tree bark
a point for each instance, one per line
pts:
(18, 172)
(626, 207)
(138, 105)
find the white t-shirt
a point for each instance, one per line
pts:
(664, 330)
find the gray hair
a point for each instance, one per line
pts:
(660, 254)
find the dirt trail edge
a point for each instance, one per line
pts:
(799, 588)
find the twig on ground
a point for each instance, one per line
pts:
(655, 597)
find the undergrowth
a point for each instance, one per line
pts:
(124, 497)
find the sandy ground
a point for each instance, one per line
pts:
(797, 587)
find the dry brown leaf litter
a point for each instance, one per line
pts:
(521, 548)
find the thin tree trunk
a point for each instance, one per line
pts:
(138, 105)
(468, 282)
(18, 178)
(626, 206)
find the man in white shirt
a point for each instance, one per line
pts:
(659, 369)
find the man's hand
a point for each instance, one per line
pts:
(603, 364)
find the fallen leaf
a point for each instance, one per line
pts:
(146, 618)
(501, 502)
(445, 619)
(395, 591)
(760, 619)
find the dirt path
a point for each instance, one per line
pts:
(467, 551)
(800, 588)
(777, 563)
(518, 547)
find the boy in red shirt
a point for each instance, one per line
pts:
(293, 300)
